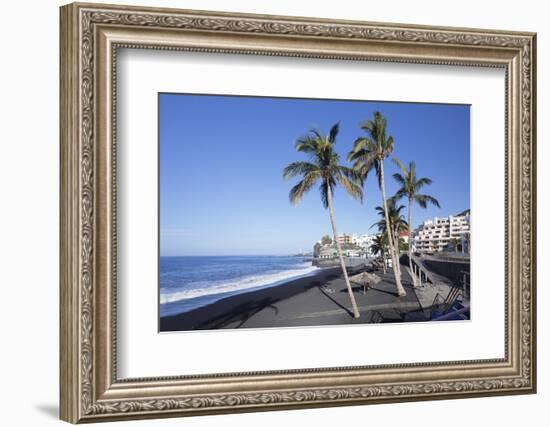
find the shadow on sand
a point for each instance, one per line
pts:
(336, 302)
(234, 311)
(240, 314)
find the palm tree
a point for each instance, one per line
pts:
(326, 240)
(368, 153)
(379, 246)
(403, 246)
(397, 225)
(410, 187)
(324, 168)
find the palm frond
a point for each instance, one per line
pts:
(333, 132)
(317, 134)
(388, 145)
(368, 126)
(424, 199)
(400, 165)
(299, 190)
(307, 144)
(351, 174)
(418, 184)
(395, 208)
(399, 194)
(299, 168)
(380, 225)
(362, 147)
(399, 178)
(363, 165)
(352, 187)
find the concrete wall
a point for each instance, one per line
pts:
(335, 262)
(449, 269)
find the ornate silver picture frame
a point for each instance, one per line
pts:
(91, 35)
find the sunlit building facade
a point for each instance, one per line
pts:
(438, 234)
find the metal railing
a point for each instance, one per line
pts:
(421, 272)
(465, 283)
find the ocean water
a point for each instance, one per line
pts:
(190, 282)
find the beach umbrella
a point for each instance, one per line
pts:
(365, 279)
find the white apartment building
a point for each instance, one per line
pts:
(364, 241)
(434, 235)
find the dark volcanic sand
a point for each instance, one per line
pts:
(301, 302)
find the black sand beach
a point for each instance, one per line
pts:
(321, 299)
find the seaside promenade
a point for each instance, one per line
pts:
(330, 305)
(319, 300)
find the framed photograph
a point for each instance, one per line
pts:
(267, 212)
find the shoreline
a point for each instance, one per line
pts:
(193, 303)
(239, 307)
(319, 299)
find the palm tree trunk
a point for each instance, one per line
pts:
(339, 250)
(400, 290)
(384, 260)
(396, 246)
(413, 277)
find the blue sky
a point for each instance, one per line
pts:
(222, 157)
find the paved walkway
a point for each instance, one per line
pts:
(329, 304)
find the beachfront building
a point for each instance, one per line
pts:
(327, 252)
(352, 253)
(345, 239)
(438, 234)
(353, 246)
(364, 241)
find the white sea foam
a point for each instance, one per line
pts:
(248, 282)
